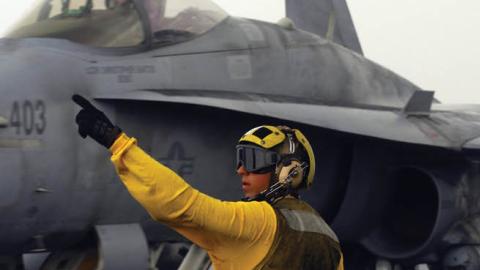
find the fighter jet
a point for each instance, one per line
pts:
(397, 171)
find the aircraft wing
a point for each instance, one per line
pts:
(327, 18)
(444, 127)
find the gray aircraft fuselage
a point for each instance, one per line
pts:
(393, 183)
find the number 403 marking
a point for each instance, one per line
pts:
(28, 117)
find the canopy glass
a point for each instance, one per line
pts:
(119, 23)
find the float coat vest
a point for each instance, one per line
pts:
(303, 240)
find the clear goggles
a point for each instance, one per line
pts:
(256, 159)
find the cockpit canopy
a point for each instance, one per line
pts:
(119, 23)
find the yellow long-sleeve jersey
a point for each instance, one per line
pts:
(236, 235)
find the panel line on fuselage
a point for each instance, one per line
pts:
(21, 143)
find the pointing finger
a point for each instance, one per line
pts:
(82, 102)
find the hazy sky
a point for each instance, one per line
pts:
(433, 43)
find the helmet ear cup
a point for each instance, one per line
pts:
(293, 168)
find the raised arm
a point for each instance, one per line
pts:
(222, 228)
(206, 221)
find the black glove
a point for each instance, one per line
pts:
(93, 122)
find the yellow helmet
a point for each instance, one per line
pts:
(270, 148)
